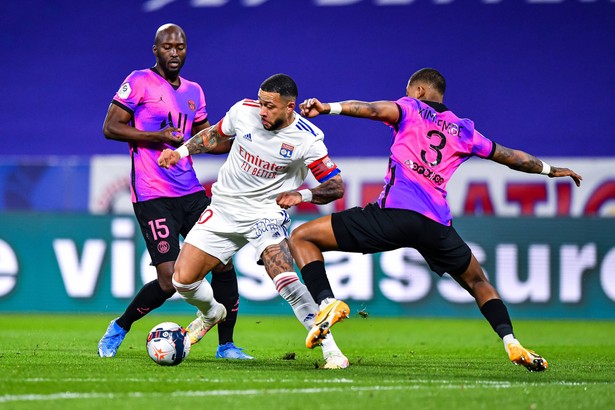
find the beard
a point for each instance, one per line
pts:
(164, 63)
(173, 69)
(274, 125)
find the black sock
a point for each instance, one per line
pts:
(150, 297)
(496, 314)
(226, 292)
(315, 278)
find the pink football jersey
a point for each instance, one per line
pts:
(429, 144)
(155, 104)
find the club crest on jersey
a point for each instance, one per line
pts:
(124, 91)
(191, 105)
(286, 150)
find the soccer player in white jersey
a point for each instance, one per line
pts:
(272, 151)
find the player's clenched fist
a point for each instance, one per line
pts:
(287, 199)
(312, 107)
(168, 158)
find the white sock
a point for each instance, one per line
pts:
(298, 297)
(325, 302)
(329, 345)
(509, 338)
(199, 294)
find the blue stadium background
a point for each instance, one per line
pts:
(533, 74)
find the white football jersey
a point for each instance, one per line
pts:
(261, 163)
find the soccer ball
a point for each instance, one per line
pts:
(168, 344)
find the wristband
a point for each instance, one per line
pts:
(182, 151)
(306, 195)
(335, 108)
(546, 168)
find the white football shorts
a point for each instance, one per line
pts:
(221, 234)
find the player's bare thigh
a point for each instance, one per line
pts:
(193, 264)
(308, 241)
(318, 231)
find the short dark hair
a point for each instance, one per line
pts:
(429, 76)
(281, 84)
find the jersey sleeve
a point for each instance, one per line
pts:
(482, 146)
(404, 110)
(319, 163)
(200, 116)
(130, 93)
(226, 126)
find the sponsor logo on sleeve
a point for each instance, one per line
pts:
(124, 91)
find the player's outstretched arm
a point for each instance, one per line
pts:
(386, 111)
(324, 193)
(524, 162)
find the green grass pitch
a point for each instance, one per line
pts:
(50, 362)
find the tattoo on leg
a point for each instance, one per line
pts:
(277, 259)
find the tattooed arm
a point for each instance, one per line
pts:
(223, 146)
(324, 193)
(328, 191)
(207, 140)
(524, 162)
(386, 111)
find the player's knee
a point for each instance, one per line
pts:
(176, 282)
(474, 274)
(164, 274)
(297, 233)
(180, 276)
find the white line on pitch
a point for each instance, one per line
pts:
(249, 392)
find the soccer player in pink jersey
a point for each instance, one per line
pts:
(273, 150)
(153, 110)
(429, 143)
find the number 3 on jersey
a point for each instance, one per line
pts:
(434, 148)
